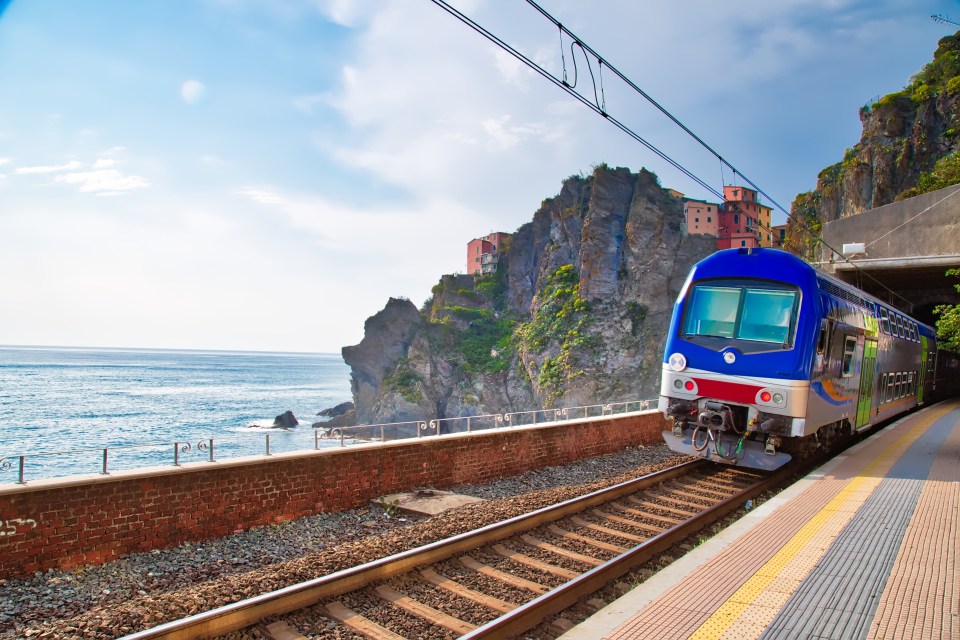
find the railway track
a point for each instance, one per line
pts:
(499, 580)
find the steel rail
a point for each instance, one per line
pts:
(529, 615)
(244, 613)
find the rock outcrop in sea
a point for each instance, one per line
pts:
(575, 314)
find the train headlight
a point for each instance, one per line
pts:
(678, 384)
(677, 362)
(778, 398)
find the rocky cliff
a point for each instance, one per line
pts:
(907, 147)
(575, 314)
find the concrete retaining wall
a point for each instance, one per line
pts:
(82, 520)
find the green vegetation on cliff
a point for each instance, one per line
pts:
(480, 336)
(948, 321)
(945, 172)
(404, 381)
(562, 317)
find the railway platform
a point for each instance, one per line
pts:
(866, 546)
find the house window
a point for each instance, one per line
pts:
(736, 219)
(743, 243)
(696, 219)
(709, 219)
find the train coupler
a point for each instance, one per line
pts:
(725, 447)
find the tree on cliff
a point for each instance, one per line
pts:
(948, 320)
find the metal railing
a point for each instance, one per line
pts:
(354, 434)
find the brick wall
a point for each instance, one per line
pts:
(93, 519)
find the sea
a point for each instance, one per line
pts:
(61, 407)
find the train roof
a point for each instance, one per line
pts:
(776, 264)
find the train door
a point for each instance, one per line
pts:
(868, 370)
(923, 369)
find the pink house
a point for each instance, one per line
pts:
(483, 253)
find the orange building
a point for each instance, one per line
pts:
(779, 235)
(702, 217)
(484, 253)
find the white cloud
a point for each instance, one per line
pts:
(4, 161)
(347, 228)
(344, 12)
(103, 181)
(263, 196)
(191, 91)
(69, 166)
(103, 163)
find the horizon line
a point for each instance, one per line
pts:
(163, 349)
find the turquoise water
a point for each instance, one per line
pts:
(58, 399)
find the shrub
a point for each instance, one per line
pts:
(953, 85)
(923, 93)
(404, 381)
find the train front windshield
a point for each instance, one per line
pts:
(741, 312)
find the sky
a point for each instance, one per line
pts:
(247, 175)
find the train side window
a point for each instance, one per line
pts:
(849, 348)
(884, 321)
(911, 390)
(899, 387)
(883, 389)
(898, 331)
(890, 381)
(824, 339)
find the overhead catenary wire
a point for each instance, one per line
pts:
(600, 109)
(564, 86)
(630, 83)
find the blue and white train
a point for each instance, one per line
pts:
(767, 357)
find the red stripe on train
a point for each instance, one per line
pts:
(730, 391)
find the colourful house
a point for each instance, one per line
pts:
(702, 217)
(483, 254)
(744, 222)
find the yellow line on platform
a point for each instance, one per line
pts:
(840, 510)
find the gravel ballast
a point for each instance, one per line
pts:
(146, 589)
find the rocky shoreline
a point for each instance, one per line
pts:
(119, 597)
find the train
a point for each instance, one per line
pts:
(767, 358)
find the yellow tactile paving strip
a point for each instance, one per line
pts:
(737, 594)
(922, 598)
